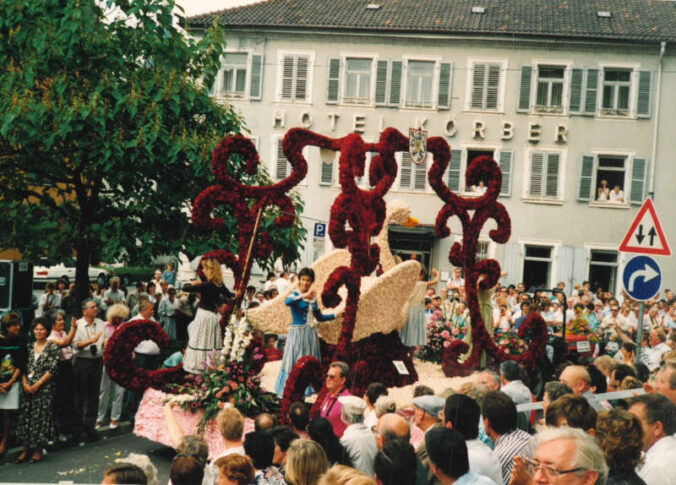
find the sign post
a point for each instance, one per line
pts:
(642, 276)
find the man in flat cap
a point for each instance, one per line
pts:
(358, 440)
(426, 410)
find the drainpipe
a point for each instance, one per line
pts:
(651, 186)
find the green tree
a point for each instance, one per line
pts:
(106, 132)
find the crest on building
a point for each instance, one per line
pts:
(417, 145)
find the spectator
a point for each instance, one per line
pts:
(299, 417)
(49, 301)
(87, 369)
(620, 436)
(344, 475)
(665, 382)
(658, 419)
(631, 382)
(462, 413)
(124, 473)
(373, 392)
(489, 380)
(577, 378)
(422, 390)
(336, 377)
(186, 470)
(134, 297)
(321, 431)
(115, 315)
(260, 447)
(500, 420)
(448, 458)
(511, 384)
(395, 464)
(236, 469)
(169, 275)
(230, 423)
(567, 454)
(282, 436)
(264, 422)
(618, 374)
(13, 351)
(114, 294)
(272, 353)
(571, 410)
(64, 399)
(598, 383)
(36, 414)
(357, 439)
(306, 462)
(384, 405)
(658, 347)
(167, 313)
(144, 463)
(195, 445)
(553, 391)
(642, 371)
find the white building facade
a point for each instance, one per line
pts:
(564, 96)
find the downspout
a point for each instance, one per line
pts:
(651, 186)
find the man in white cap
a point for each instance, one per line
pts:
(426, 410)
(358, 440)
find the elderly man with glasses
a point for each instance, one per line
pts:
(331, 408)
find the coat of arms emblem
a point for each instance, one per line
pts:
(417, 145)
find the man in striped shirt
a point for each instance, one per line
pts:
(500, 417)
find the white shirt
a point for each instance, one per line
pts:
(616, 195)
(659, 468)
(483, 461)
(282, 284)
(86, 331)
(146, 347)
(360, 443)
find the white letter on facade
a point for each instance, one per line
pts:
(278, 119)
(359, 124)
(450, 127)
(507, 130)
(562, 134)
(479, 129)
(305, 119)
(534, 132)
(333, 117)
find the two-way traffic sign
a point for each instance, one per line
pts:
(645, 235)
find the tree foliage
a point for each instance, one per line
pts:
(106, 132)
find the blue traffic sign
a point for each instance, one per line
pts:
(320, 229)
(642, 278)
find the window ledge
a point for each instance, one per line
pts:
(608, 116)
(530, 200)
(610, 205)
(293, 103)
(417, 108)
(484, 111)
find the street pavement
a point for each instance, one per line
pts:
(86, 464)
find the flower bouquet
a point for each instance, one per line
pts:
(510, 343)
(228, 376)
(580, 326)
(440, 334)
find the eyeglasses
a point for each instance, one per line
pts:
(549, 471)
(329, 376)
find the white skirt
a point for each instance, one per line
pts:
(205, 337)
(11, 400)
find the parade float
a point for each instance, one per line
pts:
(360, 276)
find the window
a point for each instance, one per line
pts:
(537, 265)
(612, 179)
(412, 176)
(358, 81)
(282, 167)
(234, 74)
(543, 175)
(481, 250)
(549, 93)
(295, 81)
(485, 86)
(419, 82)
(603, 269)
(616, 86)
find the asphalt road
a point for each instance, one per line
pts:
(86, 464)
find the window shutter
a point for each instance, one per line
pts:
(576, 91)
(301, 78)
(381, 83)
(395, 83)
(256, 88)
(281, 166)
(327, 173)
(334, 81)
(444, 100)
(420, 179)
(591, 91)
(453, 173)
(638, 171)
(586, 178)
(552, 181)
(478, 77)
(524, 89)
(506, 169)
(287, 77)
(536, 169)
(492, 88)
(643, 98)
(405, 180)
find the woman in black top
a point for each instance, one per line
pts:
(205, 331)
(13, 356)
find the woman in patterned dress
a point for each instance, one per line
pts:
(36, 414)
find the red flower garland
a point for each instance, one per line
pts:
(120, 364)
(464, 254)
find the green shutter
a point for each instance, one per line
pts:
(576, 91)
(506, 158)
(591, 93)
(395, 83)
(643, 98)
(524, 89)
(536, 171)
(586, 178)
(444, 100)
(453, 171)
(334, 81)
(638, 173)
(381, 83)
(256, 88)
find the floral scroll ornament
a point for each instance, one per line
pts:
(483, 274)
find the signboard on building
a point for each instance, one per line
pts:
(645, 235)
(320, 229)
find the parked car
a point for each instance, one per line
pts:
(66, 272)
(130, 274)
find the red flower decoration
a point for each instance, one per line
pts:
(119, 361)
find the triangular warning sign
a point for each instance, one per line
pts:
(645, 235)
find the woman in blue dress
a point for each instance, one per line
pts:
(302, 339)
